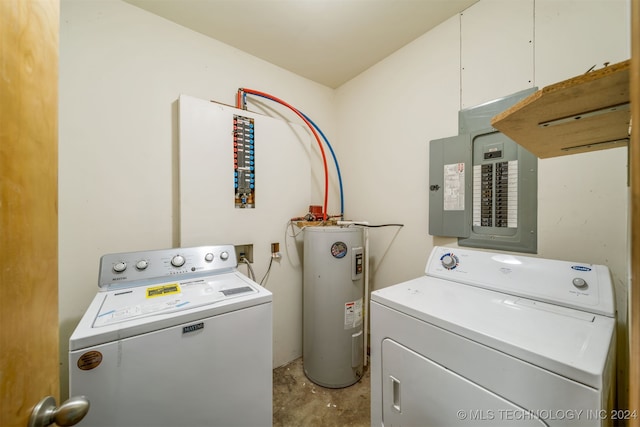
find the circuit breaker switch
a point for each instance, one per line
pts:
(493, 151)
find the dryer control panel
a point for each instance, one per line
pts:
(144, 267)
(582, 286)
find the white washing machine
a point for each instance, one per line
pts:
(175, 337)
(494, 339)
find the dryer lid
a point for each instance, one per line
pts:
(569, 342)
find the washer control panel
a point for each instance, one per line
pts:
(582, 286)
(132, 268)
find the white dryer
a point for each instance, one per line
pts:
(494, 339)
(175, 337)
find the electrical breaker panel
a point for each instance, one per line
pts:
(482, 185)
(495, 182)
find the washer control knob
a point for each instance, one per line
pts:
(142, 264)
(224, 256)
(579, 283)
(208, 257)
(119, 267)
(449, 261)
(177, 261)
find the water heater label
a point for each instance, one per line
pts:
(338, 250)
(353, 314)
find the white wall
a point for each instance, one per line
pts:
(207, 202)
(121, 73)
(388, 114)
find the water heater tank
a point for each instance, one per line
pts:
(333, 288)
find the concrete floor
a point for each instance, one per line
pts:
(297, 402)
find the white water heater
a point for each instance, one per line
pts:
(333, 290)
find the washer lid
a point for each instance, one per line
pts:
(128, 304)
(569, 342)
(123, 313)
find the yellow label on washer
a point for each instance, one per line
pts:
(158, 291)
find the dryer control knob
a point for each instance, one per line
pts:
(208, 257)
(177, 261)
(580, 283)
(224, 256)
(119, 267)
(449, 261)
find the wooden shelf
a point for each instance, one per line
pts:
(586, 113)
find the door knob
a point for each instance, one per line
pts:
(69, 413)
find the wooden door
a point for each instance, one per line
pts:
(634, 167)
(29, 368)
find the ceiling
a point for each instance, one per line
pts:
(327, 41)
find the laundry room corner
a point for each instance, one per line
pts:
(466, 61)
(117, 154)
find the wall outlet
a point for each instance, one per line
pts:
(244, 251)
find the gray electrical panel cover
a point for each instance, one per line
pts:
(482, 185)
(449, 186)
